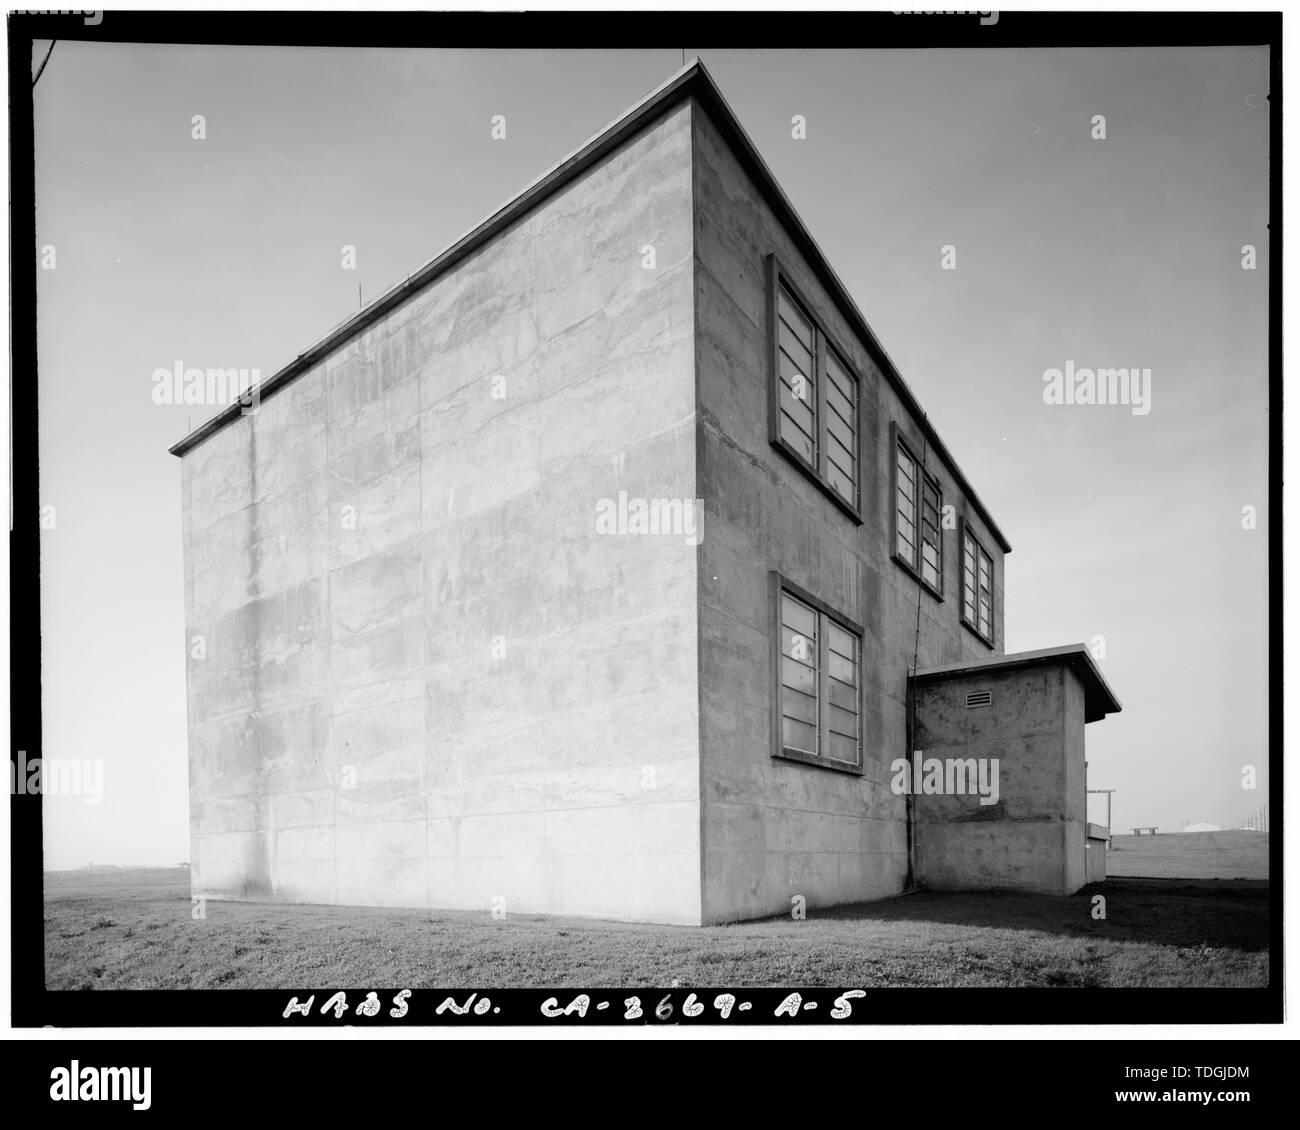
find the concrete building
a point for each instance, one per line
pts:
(586, 572)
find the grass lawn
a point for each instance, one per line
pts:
(131, 928)
(1190, 855)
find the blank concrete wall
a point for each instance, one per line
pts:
(427, 679)
(1095, 860)
(775, 829)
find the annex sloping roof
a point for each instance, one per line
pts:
(692, 81)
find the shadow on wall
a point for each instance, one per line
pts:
(1172, 912)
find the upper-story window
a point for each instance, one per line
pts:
(918, 507)
(976, 586)
(816, 397)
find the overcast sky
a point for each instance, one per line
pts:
(1122, 252)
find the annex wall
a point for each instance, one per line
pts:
(1034, 837)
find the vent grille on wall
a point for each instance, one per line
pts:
(979, 698)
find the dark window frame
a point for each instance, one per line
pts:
(781, 585)
(777, 279)
(922, 479)
(971, 623)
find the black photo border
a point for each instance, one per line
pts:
(33, 1005)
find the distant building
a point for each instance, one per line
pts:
(586, 572)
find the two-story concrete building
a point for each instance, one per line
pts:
(607, 566)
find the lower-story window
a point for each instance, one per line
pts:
(818, 715)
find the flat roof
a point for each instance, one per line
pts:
(1099, 699)
(691, 81)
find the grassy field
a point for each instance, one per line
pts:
(132, 928)
(1190, 855)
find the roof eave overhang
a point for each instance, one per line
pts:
(1099, 699)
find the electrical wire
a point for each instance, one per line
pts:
(910, 883)
(41, 70)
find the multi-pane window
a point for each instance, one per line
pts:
(841, 428)
(905, 479)
(976, 586)
(918, 506)
(843, 739)
(820, 716)
(796, 343)
(817, 398)
(931, 545)
(800, 677)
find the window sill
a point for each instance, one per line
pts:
(906, 566)
(820, 762)
(798, 460)
(974, 631)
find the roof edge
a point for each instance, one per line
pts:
(1101, 700)
(711, 96)
(691, 80)
(658, 102)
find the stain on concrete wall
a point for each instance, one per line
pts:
(428, 680)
